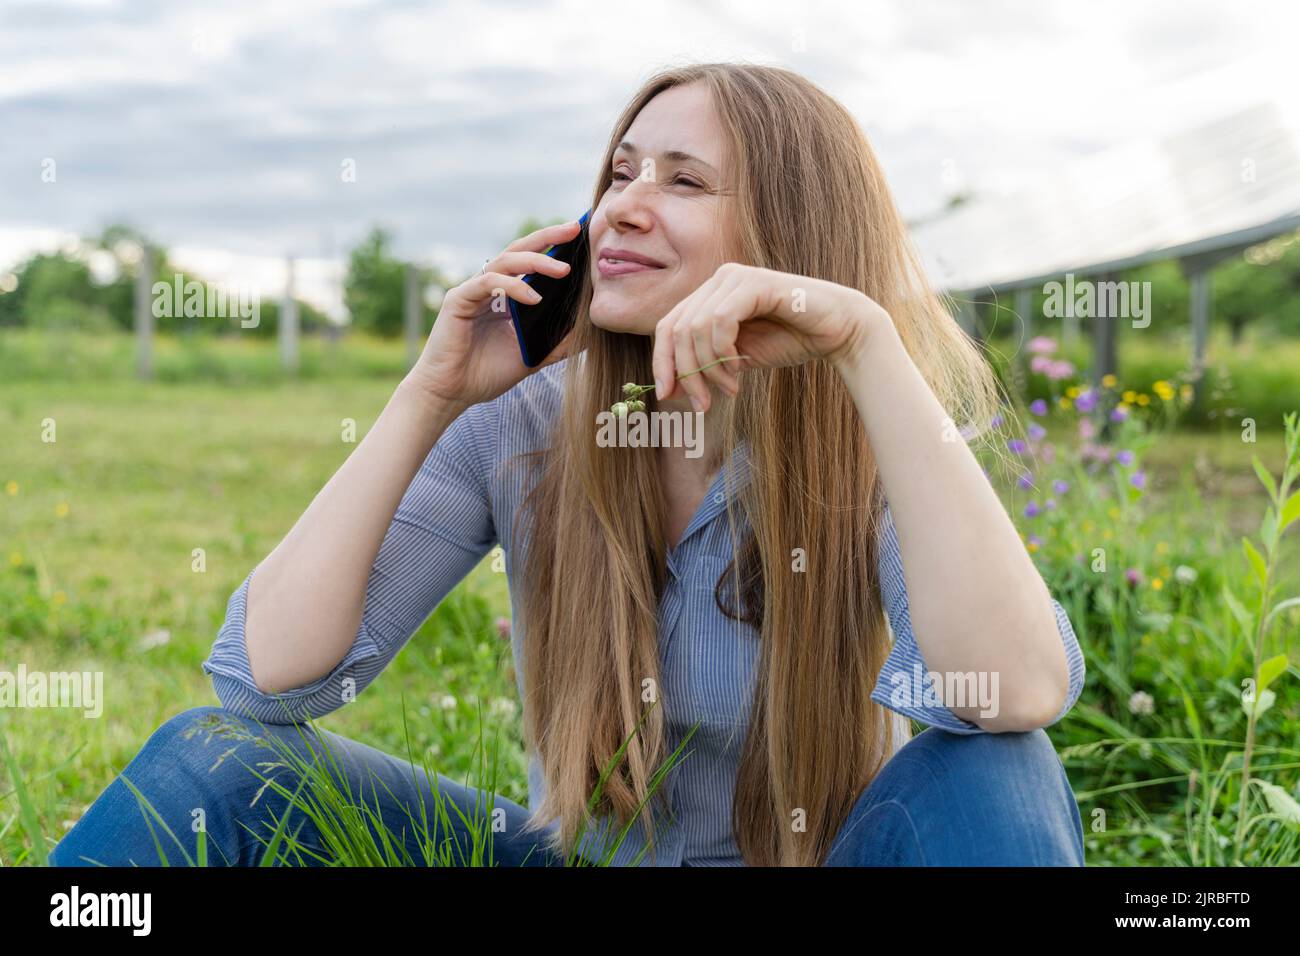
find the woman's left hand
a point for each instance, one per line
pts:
(772, 318)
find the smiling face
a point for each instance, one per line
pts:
(664, 205)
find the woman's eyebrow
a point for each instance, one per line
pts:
(675, 155)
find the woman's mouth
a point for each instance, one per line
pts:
(612, 268)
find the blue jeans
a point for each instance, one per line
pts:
(943, 800)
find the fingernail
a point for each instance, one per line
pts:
(659, 388)
(695, 403)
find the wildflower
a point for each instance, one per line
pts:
(1119, 413)
(11, 488)
(619, 409)
(1162, 547)
(1072, 391)
(997, 421)
(1087, 401)
(1141, 703)
(59, 598)
(1034, 543)
(1124, 457)
(1133, 576)
(1109, 381)
(1041, 344)
(1184, 574)
(1139, 479)
(447, 701)
(1026, 480)
(1050, 504)
(502, 707)
(503, 627)
(1040, 363)
(1157, 584)
(1060, 486)
(1038, 406)
(1129, 396)
(1087, 430)
(1036, 431)
(1185, 392)
(1017, 445)
(1144, 399)
(15, 558)
(1064, 402)
(1032, 510)
(1163, 389)
(1060, 370)
(61, 509)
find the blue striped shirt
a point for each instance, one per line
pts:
(461, 504)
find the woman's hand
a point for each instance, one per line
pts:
(771, 318)
(472, 354)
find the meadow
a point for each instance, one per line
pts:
(1189, 641)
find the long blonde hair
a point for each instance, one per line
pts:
(810, 199)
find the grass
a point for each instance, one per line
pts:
(121, 541)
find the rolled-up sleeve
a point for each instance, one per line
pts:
(904, 684)
(442, 528)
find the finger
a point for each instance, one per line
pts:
(496, 286)
(718, 327)
(684, 356)
(664, 360)
(700, 324)
(546, 236)
(523, 262)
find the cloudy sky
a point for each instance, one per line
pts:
(223, 129)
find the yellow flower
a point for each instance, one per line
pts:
(1072, 391)
(61, 509)
(1162, 547)
(1123, 406)
(1088, 526)
(1163, 389)
(1113, 513)
(11, 488)
(1108, 534)
(15, 558)
(1065, 402)
(58, 598)
(1109, 381)
(1033, 546)
(1144, 399)
(1157, 584)
(1185, 392)
(1129, 396)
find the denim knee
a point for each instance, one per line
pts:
(969, 799)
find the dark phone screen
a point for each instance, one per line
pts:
(541, 326)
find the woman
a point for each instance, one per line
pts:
(746, 256)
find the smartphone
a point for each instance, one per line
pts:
(540, 326)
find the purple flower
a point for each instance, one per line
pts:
(1060, 486)
(1038, 406)
(1139, 479)
(1118, 414)
(1026, 480)
(1035, 540)
(1050, 504)
(503, 627)
(1018, 446)
(1124, 457)
(1032, 510)
(1086, 401)
(1036, 431)
(1133, 576)
(997, 421)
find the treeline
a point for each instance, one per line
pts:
(92, 287)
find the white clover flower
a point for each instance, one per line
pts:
(447, 701)
(1184, 574)
(1141, 703)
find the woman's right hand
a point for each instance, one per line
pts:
(472, 354)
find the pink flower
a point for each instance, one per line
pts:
(1087, 430)
(503, 627)
(1060, 370)
(1041, 344)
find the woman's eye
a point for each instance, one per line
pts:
(620, 176)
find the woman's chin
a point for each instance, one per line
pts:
(625, 320)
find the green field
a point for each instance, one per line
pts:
(98, 530)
